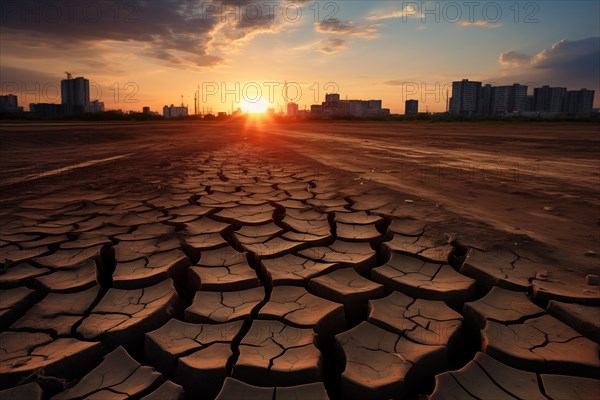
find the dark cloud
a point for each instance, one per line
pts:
(578, 57)
(23, 75)
(334, 25)
(175, 31)
(29, 86)
(571, 63)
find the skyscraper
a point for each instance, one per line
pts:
(75, 95)
(465, 97)
(486, 100)
(510, 99)
(549, 99)
(579, 101)
(411, 107)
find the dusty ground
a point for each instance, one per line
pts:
(390, 227)
(531, 184)
(497, 178)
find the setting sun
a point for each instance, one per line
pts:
(257, 107)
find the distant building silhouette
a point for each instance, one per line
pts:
(332, 98)
(146, 111)
(9, 104)
(465, 97)
(578, 102)
(411, 107)
(292, 110)
(334, 107)
(549, 99)
(303, 114)
(471, 99)
(510, 99)
(174, 111)
(375, 105)
(46, 110)
(530, 103)
(75, 95)
(486, 100)
(316, 110)
(95, 107)
(75, 99)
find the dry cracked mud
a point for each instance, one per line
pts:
(246, 280)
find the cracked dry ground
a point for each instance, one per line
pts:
(253, 281)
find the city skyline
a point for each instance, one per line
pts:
(149, 55)
(467, 98)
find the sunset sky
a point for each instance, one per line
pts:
(149, 53)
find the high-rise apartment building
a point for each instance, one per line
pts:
(465, 97)
(75, 95)
(549, 99)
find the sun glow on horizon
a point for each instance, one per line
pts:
(258, 107)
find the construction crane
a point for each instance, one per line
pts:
(69, 75)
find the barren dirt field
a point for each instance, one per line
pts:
(300, 261)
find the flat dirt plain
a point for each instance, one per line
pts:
(255, 260)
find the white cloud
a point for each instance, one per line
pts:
(481, 23)
(407, 11)
(514, 58)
